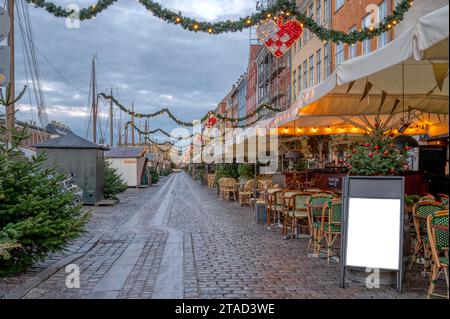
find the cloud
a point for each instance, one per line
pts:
(150, 62)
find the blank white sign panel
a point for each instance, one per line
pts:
(373, 235)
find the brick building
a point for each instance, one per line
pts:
(356, 15)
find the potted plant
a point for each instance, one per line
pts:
(376, 156)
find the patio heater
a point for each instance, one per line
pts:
(294, 154)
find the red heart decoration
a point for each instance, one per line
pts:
(211, 122)
(279, 38)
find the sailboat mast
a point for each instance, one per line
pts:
(10, 109)
(132, 124)
(94, 103)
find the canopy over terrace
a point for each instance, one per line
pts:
(239, 144)
(405, 82)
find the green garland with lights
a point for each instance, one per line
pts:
(284, 8)
(183, 123)
(84, 14)
(130, 123)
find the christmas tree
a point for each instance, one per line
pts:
(114, 183)
(377, 155)
(37, 215)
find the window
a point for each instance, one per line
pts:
(339, 53)
(352, 47)
(299, 43)
(311, 70)
(326, 10)
(326, 59)
(382, 13)
(318, 66)
(294, 84)
(311, 15)
(366, 43)
(305, 32)
(339, 4)
(299, 79)
(318, 12)
(305, 75)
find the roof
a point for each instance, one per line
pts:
(70, 140)
(125, 152)
(58, 128)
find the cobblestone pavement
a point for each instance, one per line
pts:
(176, 239)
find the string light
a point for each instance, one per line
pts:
(284, 7)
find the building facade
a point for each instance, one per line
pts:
(311, 60)
(357, 15)
(252, 80)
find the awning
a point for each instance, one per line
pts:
(407, 76)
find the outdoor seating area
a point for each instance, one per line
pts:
(316, 215)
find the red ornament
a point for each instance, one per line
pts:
(386, 153)
(366, 145)
(377, 147)
(211, 122)
(391, 134)
(354, 151)
(278, 38)
(408, 148)
(370, 154)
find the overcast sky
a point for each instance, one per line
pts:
(152, 63)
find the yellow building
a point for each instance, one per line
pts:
(311, 59)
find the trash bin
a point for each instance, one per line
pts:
(261, 212)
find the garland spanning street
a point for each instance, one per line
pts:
(129, 123)
(282, 8)
(183, 123)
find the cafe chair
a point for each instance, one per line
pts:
(229, 189)
(314, 206)
(286, 209)
(427, 198)
(437, 229)
(443, 198)
(421, 211)
(298, 213)
(274, 208)
(268, 200)
(246, 194)
(331, 225)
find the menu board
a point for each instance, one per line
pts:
(334, 181)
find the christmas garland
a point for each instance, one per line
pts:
(129, 123)
(284, 8)
(182, 123)
(84, 14)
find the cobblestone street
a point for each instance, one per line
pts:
(176, 239)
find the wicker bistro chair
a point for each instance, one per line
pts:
(286, 209)
(421, 211)
(297, 212)
(221, 185)
(246, 194)
(314, 206)
(330, 227)
(229, 188)
(443, 198)
(437, 229)
(211, 180)
(274, 207)
(427, 198)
